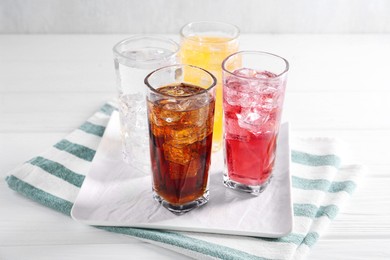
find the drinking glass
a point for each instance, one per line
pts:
(134, 58)
(253, 92)
(206, 44)
(181, 115)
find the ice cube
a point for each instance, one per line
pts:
(194, 166)
(235, 83)
(268, 104)
(180, 90)
(169, 103)
(247, 100)
(157, 130)
(129, 104)
(164, 112)
(253, 81)
(203, 131)
(170, 116)
(141, 119)
(179, 136)
(197, 117)
(234, 131)
(269, 89)
(252, 119)
(180, 171)
(180, 155)
(264, 75)
(232, 96)
(176, 171)
(245, 72)
(184, 105)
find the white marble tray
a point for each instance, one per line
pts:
(115, 194)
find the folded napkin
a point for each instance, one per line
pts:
(321, 184)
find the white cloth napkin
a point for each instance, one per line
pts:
(115, 193)
(321, 183)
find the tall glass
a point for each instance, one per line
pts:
(134, 58)
(253, 93)
(206, 45)
(181, 115)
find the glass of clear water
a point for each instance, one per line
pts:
(134, 58)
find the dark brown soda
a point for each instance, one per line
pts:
(180, 130)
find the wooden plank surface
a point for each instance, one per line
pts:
(338, 86)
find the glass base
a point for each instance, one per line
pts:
(252, 189)
(181, 209)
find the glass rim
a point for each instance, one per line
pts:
(116, 51)
(287, 65)
(205, 90)
(230, 39)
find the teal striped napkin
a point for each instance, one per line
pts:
(321, 184)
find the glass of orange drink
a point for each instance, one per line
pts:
(206, 44)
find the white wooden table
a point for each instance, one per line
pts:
(339, 85)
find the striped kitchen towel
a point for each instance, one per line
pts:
(321, 184)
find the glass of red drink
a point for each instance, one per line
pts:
(181, 103)
(253, 92)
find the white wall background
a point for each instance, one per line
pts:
(167, 16)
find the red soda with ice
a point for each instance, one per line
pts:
(252, 103)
